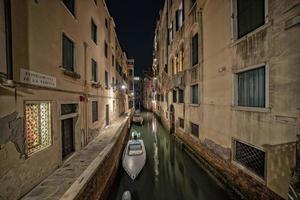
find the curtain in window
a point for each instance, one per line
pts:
(251, 88)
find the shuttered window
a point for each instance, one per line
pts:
(251, 88)
(94, 31)
(195, 50)
(194, 94)
(94, 70)
(195, 129)
(94, 111)
(68, 53)
(250, 15)
(70, 4)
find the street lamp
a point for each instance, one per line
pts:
(123, 87)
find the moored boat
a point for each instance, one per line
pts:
(134, 157)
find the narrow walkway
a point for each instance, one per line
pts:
(80, 166)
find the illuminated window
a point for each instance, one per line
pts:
(38, 126)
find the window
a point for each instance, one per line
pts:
(250, 15)
(250, 157)
(94, 31)
(114, 105)
(195, 50)
(180, 61)
(174, 96)
(95, 2)
(113, 82)
(180, 96)
(194, 94)
(181, 123)
(113, 60)
(3, 36)
(70, 4)
(174, 65)
(94, 70)
(166, 68)
(179, 16)
(38, 126)
(251, 88)
(94, 111)
(130, 72)
(68, 109)
(106, 79)
(105, 49)
(68, 53)
(195, 129)
(170, 33)
(106, 23)
(192, 3)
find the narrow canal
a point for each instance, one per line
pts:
(169, 172)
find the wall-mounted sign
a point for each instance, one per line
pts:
(35, 78)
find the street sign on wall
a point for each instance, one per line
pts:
(35, 78)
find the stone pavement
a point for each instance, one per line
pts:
(67, 181)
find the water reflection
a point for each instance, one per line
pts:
(169, 173)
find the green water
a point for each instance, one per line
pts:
(169, 172)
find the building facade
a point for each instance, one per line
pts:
(62, 80)
(227, 84)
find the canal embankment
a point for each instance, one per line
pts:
(235, 180)
(89, 173)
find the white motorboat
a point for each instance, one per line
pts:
(126, 195)
(134, 157)
(137, 118)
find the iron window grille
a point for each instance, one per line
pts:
(37, 126)
(68, 109)
(250, 157)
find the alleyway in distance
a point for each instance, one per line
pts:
(169, 173)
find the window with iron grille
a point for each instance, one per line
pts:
(251, 88)
(194, 94)
(70, 5)
(195, 50)
(105, 49)
(250, 157)
(94, 111)
(68, 53)
(181, 123)
(250, 16)
(195, 129)
(94, 70)
(180, 96)
(174, 96)
(38, 126)
(94, 31)
(106, 79)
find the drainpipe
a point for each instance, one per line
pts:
(8, 39)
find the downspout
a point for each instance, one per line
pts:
(8, 40)
(85, 101)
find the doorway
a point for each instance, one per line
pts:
(172, 119)
(67, 131)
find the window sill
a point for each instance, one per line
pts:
(95, 84)
(194, 105)
(251, 109)
(250, 34)
(69, 73)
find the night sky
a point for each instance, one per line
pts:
(135, 23)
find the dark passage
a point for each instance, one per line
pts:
(169, 172)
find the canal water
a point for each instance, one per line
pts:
(169, 173)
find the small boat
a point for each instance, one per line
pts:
(126, 195)
(134, 157)
(137, 118)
